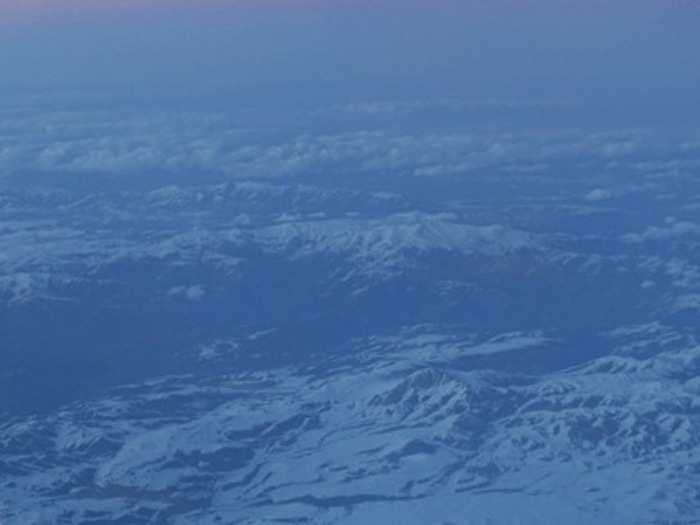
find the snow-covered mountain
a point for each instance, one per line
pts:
(403, 425)
(517, 347)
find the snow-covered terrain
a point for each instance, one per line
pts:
(404, 426)
(410, 339)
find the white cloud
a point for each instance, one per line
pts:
(687, 302)
(191, 293)
(673, 230)
(598, 194)
(394, 108)
(136, 143)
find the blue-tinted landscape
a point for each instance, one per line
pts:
(330, 287)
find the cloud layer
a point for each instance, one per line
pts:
(133, 143)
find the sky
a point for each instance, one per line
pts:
(616, 58)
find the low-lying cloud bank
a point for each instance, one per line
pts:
(142, 143)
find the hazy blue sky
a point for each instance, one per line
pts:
(637, 58)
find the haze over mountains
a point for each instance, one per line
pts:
(349, 263)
